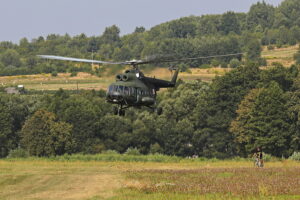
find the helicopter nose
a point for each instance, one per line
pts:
(115, 97)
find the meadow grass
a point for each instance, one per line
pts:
(285, 56)
(108, 157)
(239, 182)
(120, 177)
(136, 195)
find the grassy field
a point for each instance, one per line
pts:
(89, 82)
(174, 180)
(63, 80)
(284, 56)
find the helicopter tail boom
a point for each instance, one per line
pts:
(174, 78)
(158, 83)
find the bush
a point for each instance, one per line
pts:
(54, 74)
(224, 65)
(234, 63)
(271, 47)
(114, 152)
(18, 153)
(113, 156)
(205, 66)
(297, 57)
(215, 63)
(184, 68)
(268, 157)
(73, 74)
(155, 148)
(295, 156)
(278, 45)
(263, 62)
(132, 151)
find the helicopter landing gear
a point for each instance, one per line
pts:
(119, 110)
(159, 110)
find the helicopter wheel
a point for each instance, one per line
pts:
(115, 110)
(122, 112)
(159, 110)
(118, 110)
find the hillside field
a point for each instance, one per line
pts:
(119, 180)
(88, 82)
(284, 55)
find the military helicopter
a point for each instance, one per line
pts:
(133, 88)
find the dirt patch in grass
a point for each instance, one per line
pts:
(58, 180)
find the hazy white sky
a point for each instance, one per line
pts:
(33, 18)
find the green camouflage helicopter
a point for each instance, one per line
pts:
(133, 88)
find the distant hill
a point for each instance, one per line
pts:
(191, 36)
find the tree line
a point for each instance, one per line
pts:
(192, 36)
(231, 116)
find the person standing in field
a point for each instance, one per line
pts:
(258, 156)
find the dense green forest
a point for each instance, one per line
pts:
(231, 116)
(185, 37)
(246, 108)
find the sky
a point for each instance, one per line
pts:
(34, 18)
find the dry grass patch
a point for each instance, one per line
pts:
(63, 80)
(235, 181)
(88, 82)
(57, 180)
(284, 56)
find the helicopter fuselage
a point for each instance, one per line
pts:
(133, 89)
(131, 93)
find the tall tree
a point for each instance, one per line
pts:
(182, 28)
(263, 121)
(111, 35)
(43, 135)
(11, 58)
(229, 23)
(293, 105)
(6, 130)
(252, 48)
(261, 14)
(288, 14)
(239, 126)
(219, 110)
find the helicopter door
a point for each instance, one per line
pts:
(134, 93)
(138, 94)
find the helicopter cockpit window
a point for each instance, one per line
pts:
(120, 88)
(111, 88)
(133, 91)
(126, 90)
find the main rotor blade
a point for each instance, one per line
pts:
(133, 62)
(80, 60)
(162, 60)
